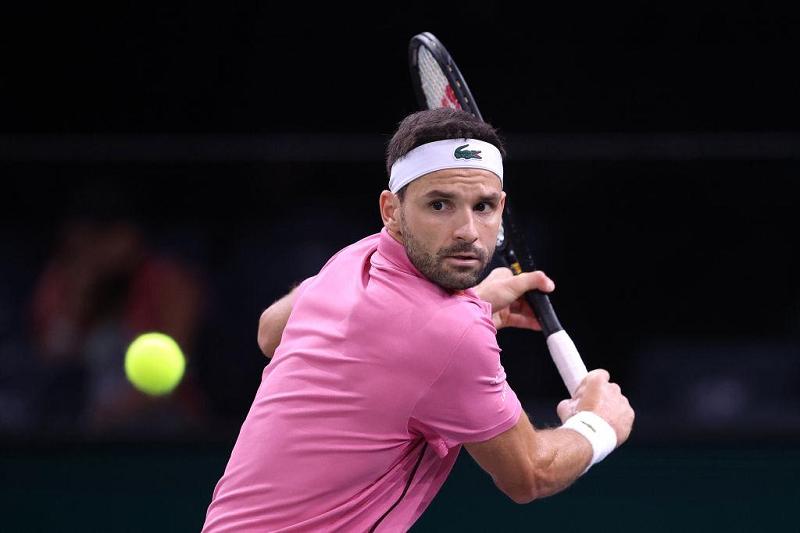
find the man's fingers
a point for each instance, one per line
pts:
(501, 286)
(598, 375)
(519, 320)
(528, 281)
(565, 409)
(500, 273)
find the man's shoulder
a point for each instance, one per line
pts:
(426, 317)
(367, 244)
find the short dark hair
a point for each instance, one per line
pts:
(436, 125)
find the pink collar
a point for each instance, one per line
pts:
(395, 253)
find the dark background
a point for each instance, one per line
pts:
(653, 159)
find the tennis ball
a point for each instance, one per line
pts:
(154, 363)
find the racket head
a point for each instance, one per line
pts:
(435, 76)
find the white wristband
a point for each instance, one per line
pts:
(597, 431)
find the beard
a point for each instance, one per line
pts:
(434, 265)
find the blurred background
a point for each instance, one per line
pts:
(178, 168)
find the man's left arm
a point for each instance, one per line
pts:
(272, 322)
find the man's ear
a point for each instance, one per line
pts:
(390, 211)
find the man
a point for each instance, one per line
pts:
(386, 363)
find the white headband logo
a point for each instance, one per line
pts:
(439, 155)
(462, 153)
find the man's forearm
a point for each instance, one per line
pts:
(560, 456)
(272, 322)
(527, 464)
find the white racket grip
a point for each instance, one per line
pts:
(567, 360)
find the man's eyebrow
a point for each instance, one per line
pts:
(491, 197)
(436, 193)
(439, 194)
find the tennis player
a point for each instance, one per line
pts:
(386, 362)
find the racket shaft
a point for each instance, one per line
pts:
(567, 359)
(544, 311)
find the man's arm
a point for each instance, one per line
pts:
(526, 463)
(272, 322)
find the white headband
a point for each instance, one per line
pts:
(439, 155)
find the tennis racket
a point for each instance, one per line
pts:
(438, 83)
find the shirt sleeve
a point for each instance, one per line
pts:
(470, 401)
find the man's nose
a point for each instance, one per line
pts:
(467, 230)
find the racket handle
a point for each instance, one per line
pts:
(567, 359)
(563, 351)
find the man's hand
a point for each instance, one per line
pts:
(603, 398)
(505, 291)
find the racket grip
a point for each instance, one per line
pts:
(567, 359)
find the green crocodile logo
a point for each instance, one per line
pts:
(460, 153)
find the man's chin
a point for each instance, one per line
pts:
(460, 279)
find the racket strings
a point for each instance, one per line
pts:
(438, 91)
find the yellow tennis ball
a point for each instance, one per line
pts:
(154, 363)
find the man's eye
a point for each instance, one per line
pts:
(483, 206)
(437, 205)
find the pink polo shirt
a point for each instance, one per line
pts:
(380, 376)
